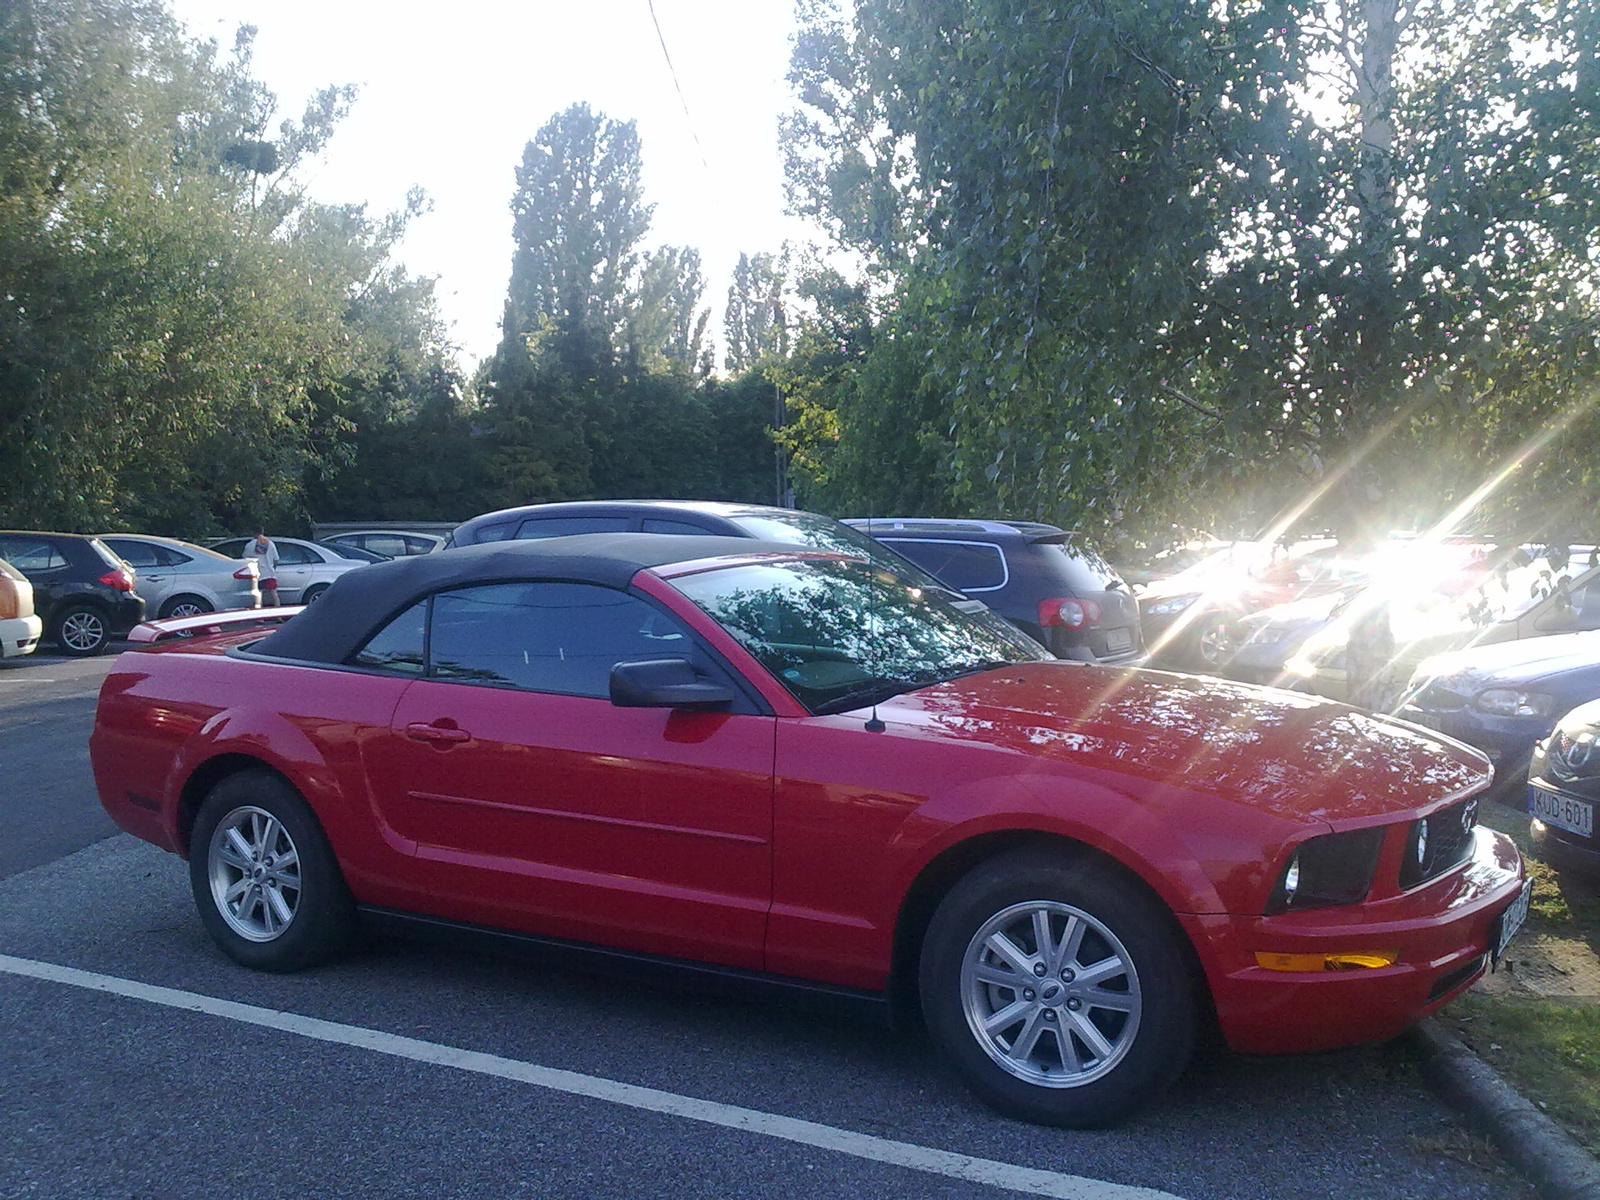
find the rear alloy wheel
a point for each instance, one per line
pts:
(186, 606)
(1058, 989)
(82, 631)
(264, 877)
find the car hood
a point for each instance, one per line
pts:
(1520, 661)
(1296, 756)
(1298, 616)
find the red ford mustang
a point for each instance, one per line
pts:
(787, 769)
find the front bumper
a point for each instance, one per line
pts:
(1440, 930)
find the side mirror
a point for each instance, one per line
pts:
(665, 683)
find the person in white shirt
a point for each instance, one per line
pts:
(266, 559)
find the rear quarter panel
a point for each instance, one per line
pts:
(175, 717)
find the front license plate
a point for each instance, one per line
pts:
(1564, 812)
(1118, 639)
(1510, 921)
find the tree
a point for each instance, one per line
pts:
(753, 323)
(1159, 281)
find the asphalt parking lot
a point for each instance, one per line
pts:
(141, 1063)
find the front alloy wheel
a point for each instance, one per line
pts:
(1050, 994)
(1215, 642)
(1059, 987)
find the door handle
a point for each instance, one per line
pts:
(420, 732)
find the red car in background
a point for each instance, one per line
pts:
(769, 767)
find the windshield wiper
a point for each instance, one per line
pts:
(875, 692)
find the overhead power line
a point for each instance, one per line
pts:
(671, 70)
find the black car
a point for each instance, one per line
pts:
(1063, 595)
(1506, 697)
(769, 524)
(1564, 790)
(82, 592)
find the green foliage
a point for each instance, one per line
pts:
(1133, 279)
(183, 337)
(600, 386)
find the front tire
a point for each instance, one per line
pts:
(313, 594)
(1058, 988)
(265, 879)
(1214, 642)
(82, 630)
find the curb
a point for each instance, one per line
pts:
(1546, 1154)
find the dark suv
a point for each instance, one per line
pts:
(81, 590)
(694, 517)
(1067, 597)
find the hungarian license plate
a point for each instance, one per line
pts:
(1510, 921)
(1562, 811)
(1118, 639)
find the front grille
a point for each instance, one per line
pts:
(1438, 842)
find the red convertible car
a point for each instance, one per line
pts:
(780, 769)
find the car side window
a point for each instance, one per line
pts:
(31, 554)
(970, 566)
(399, 645)
(663, 525)
(549, 527)
(290, 555)
(548, 637)
(135, 554)
(168, 557)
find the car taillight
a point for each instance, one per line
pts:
(121, 579)
(1074, 614)
(249, 571)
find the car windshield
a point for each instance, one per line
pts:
(824, 533)
(841, 634)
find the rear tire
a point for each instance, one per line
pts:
(186, 606)
(265, 879)
(313, 594)
(1059, 989)
(81, 630)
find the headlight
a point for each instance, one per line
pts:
(1335, 868)
(1508, 702)
(1264, 635)
(1174, 604)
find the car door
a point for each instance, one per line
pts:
(155, 581)
(295, 570)
(534, 803)
(45, 566)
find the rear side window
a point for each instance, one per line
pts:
(31, 554)
(547, 637)
(970, 566)
(549, 527)
(399, 645)
(291, 555)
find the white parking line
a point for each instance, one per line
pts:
(806, 1133)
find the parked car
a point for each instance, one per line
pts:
(1503, 698)
(1529, 601)
(82, 592)
(387, 543)
(1063, 595)
(691, 517)
(1564, 790)
(305, 569)
(180, 579)
(1190, 618)
(761, 765)
(1263, 643)
(20, 626)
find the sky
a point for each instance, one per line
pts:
(449, 94)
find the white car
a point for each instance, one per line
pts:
(180, 579)
(305, 569)
(20, 627)
(391, 543)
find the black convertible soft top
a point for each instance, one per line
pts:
(360, 601)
